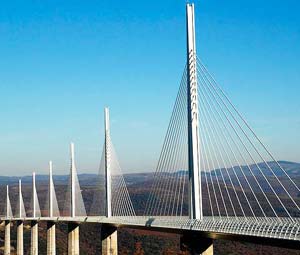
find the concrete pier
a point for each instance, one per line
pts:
(196, 245)
(34, 249)
(51, 239)
(7, 238)
(109, 238)
(20, 242)
(73, 239)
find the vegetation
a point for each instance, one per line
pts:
(130, 241)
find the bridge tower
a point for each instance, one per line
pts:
(195, 245)
(73, 228)
(109, 235)
(7, 224)
(195, 196)
(34, 223)
(107, 163)
(50, 195)
(73, 173)
(20, 226)
(51, 227)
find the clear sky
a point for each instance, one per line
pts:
(63, 61)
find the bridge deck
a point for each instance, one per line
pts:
(273, 228)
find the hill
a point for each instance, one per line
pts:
(139, 186)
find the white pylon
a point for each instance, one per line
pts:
(195, 196)
(8, 205)
(20, 199)
(107, 163)
(33, 196)
(52, 206)
(7, 201)
(50, 209)
(36, 212)
(73, 173)
(74, 202)
(21, 208)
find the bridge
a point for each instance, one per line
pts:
(214, 179)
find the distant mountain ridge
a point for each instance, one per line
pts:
(292, 168)
(43, 178)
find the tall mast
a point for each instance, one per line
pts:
(20, 198)
(33, 195)
(73, 173)
(50, 190)
(7, 202)
(195, 196)
(107, 163)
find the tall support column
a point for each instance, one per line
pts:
(20, 200)
(107, 163)
(20, 242)
(73, 201)
(7, 224)
(193, 244)
(73, 239)
(51, 242)
(195, 196)
(50, 195)
(8, 205)
(73, 228)
(109, 238)
(34, 238)
(7, 238)
(34, 224)
(33, 196)
(51, 229)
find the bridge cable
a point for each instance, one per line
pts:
(211, 139)
(210, 106)
(239, 138)
(219, 144)
(161, 173)
(256, 150)
(271, 187)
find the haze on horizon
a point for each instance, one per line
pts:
(62, 63)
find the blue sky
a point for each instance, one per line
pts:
(63, 61)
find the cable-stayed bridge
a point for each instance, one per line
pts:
(214, 179)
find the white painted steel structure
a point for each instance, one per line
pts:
(20, 199)
(195, 196)
(50, 195)
(7, 202)
(33, 196)
(8, 210)
(73, 173)
(107, 163)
